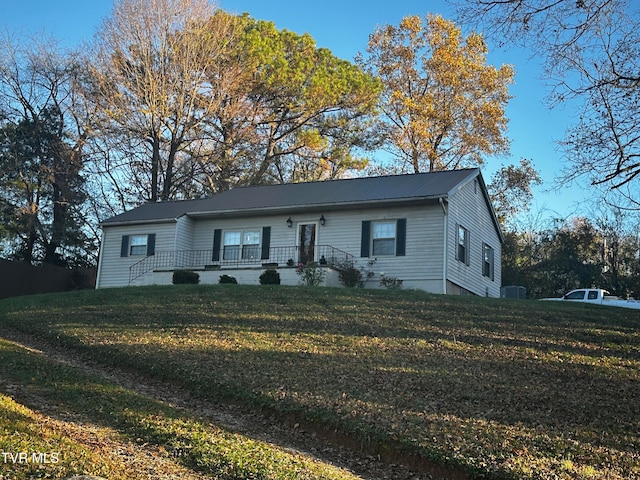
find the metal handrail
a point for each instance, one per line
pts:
(201, 259)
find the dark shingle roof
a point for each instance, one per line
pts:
(355, 192)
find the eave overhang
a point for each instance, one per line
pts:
(138, 222)
(319, 207)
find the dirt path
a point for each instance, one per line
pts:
(235, 418)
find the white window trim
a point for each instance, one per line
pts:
(394, 222)
(486, 247)
(133, 244)
(467, 242)
(241, 250)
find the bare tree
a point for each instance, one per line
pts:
(604, 145)
(592, 55)
(152, 87)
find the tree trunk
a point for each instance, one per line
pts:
(168, 174)
(155, 165)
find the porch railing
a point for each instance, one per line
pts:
(229, 258)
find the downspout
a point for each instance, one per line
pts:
(100, 259)
(445, 245)
(175, 243)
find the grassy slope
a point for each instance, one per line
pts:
(23, 430)
(494, 387)
(181, 440)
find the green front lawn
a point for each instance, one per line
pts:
(497, 388)
(183, 438)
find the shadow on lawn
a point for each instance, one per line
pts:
(65, 391)
(413, 372)
(394, 385)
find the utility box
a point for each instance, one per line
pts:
(513, 291)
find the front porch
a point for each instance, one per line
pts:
(245, 265)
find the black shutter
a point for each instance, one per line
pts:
(401, 237)
(365, 239)
(266, 243)
(217, 237)
(151, 244)
(124, 248)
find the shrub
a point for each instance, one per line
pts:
(227, 279)
(311, 274)
(185, 276)
(390, 282)
(349, 275)
(270, 277)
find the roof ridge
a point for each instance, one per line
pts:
(390, 175)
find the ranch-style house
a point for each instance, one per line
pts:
(432, 231)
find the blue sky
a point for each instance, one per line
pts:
(344, 26)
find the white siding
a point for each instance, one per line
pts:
(245, 276)
(184, 233)
(114, 269)
(421, 267)
(468, 208)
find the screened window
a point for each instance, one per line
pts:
(383, 237)
(462, 245)
(138, 244)
(487, 261)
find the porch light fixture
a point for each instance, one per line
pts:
(289, 222)
(322, 220)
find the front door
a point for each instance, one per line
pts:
(306, 242)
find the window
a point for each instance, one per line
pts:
(138, 245)
(577, 295)
(241, 245)
(231, 246)
(462, 245)
(250, 245)
(384, 237)
(487, 261)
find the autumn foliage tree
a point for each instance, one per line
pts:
(443, 106)
(511, 189)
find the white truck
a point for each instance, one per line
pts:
(597, 296)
